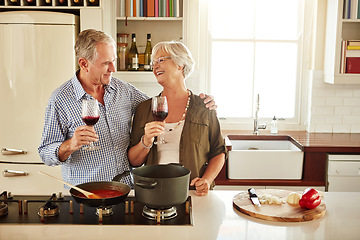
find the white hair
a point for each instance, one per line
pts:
(179, 53)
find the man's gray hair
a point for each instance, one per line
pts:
(85, 45)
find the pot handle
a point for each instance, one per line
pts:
(176, 164)
(121, 175)
(145, 184)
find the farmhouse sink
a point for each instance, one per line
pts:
(264, 157)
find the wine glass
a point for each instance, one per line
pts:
(90, 114)
(159, 108)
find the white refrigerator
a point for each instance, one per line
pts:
(36, 56)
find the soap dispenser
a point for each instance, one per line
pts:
(274, 126)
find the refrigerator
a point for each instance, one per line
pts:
(36, 56)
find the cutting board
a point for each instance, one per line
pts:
(277, 213)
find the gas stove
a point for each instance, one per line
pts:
(59, 209)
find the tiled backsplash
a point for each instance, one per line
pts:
(334, 107)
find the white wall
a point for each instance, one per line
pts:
(334, 108)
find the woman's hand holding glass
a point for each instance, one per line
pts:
(152, 130)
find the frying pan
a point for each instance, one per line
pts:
(104, 185)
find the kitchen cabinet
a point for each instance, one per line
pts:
(343, 173)
(337, 30)
(160, 28)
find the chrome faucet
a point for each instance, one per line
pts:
(258, 126)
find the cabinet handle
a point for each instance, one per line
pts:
(9, 151)
(14, 173)
(337, 171)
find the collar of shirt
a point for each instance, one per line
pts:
(79, 90)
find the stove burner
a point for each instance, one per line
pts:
(48, 210)
(105, 211)
(159, 214)
(25, 209)
(3, 209)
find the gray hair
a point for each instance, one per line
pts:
(179, 53)
(85, 45)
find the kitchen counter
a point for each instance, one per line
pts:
(316, 146)
(336, 142)
(213, 218)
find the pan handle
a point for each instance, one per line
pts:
(146, 184)
(120, 176)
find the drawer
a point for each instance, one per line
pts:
(343, 184)
(33, 183)
(343, 157)
(343, 168)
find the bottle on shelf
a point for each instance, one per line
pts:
(77, 3)
(122, 54)
(46, 3)
(92, 2)
(148, 49)
(61, 3)
(14, 2)
(29, 3)
(274, 126)
(133, 55)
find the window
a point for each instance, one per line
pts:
(256, 49)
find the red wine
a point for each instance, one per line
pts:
(159, 115)
(90, 121)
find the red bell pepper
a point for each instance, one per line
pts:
(310, 199)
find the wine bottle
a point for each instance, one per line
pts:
(29, 3)
(133, 55)
(147, 64)
(14, 2)
(93, 2)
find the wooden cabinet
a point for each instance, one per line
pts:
(337, 30)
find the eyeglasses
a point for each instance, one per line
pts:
(159, 60)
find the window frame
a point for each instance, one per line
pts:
(295, 123)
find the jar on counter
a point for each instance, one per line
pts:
(122, 56)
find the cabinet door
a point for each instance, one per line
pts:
(342, 168)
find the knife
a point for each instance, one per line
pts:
(253, 197)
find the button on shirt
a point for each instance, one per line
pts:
(63, 116)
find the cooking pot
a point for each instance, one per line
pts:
(161, 186)
(103, 185)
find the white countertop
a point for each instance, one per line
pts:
(213, 218)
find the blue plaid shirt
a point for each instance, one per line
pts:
(63, 116)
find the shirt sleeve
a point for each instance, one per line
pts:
(217, 141)
(137, 126)
(138, 97)
(53, 136)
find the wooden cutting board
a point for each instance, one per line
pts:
(277, 213)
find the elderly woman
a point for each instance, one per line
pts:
(192, 131)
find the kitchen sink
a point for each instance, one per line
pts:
(264, 157)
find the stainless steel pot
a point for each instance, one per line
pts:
(161, 186)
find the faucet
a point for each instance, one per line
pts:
(258, 126)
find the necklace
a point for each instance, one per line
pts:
(183, 116)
